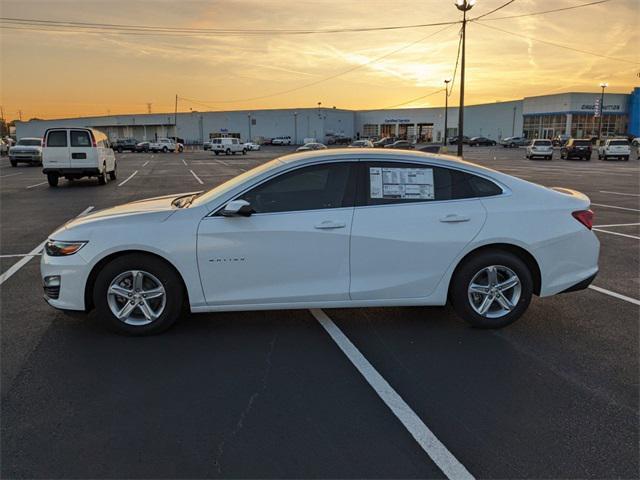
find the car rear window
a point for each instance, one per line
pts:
(542, 143)
(57, 138)
(582, 143)
(619, 142)
(80, 138)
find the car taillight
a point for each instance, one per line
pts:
(585, 217)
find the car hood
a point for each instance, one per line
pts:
(18, 148)
(151, 209)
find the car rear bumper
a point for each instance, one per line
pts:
(72, 171)
(581, 285)
(26, 158)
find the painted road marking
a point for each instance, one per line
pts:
(128, 178)
(616, 233)
(613, 206)
(616, 225)
(12, 175)
(37, 184)
(196, 177)
(614, 294)
(619, 193)
(21, 255)
(24, 260)
(442, 457)
(145, 163)
(185, 163)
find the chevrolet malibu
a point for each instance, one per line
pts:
(339, 228)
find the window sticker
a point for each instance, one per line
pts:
(401, 183)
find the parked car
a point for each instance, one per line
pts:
(74, 153)
(401, 144)
(251, 146)
(338, 140)
(228, 146)
(124, 144)
(311, 146)
(615, 148)
(207, 145)
(560, 140)
(635, 142)
(27, 150)
(501, 241)
(513, 142)
(142, 146)
(286, 140)
(384, 141)
(540, 148)
(361, 144)
(576, 148)
(163, 145)
(309, 140)
(481, 142)
(454, 140)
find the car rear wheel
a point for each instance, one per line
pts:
(138, 295)
(14, 163)
(244, 151)
(491, 289)
(227, 151)
(113, 174)
(52, 178)
(165, 149)
(102, 178)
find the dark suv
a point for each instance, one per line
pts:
(576, 148)
(123, 144)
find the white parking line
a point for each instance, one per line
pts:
(616, 225)
(185, 163)
(37, 184)
(619, 193)
(616, 233)
(11, 175)
(21, 255)
(128, 178)
(442, 457)
(145, 163)
(23, 261)
(614, 294)
(613, 206)
(196, 177)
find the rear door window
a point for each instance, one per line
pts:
(80, 138)
(619, 142)
(57, 138)
(581, 143)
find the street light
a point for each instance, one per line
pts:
(446, 108)
(249, 122)
(464, 6)
(603, 85)
(295, 128)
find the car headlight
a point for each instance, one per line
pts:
(55, 248)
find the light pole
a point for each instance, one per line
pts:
(446, 109)
(295, 128)
(464, 6)
(603, 85)
(249, 120)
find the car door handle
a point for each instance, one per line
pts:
(454, 218)
(328, 224)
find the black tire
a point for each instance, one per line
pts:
(147, 263)
(165, 149)
(588, 158)
(14, 163)
(52, 178)
(119, 149)
(102, 178)
(458, 291)
(626, 158)
(113, 174)
(227, 151)
(216, 152)
(244, 151)
(512, 145)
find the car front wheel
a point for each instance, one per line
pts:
(492, 289)
(138, 295)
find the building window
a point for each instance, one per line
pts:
(544, 126)
(369, 130)
(587, 125)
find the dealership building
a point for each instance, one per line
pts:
(546, 116)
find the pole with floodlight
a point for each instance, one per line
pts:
(464, 6)
(446, 108)
(603, 85)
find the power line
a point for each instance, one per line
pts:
(455, 69)
(322, 80)
(559, 45)
(494, 10)
(531, 14)
(150, 29)
(410, 101)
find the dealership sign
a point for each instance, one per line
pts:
(397, 120)
(596, 107)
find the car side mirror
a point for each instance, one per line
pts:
(237, 208)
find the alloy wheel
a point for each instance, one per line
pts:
(494, 291)
(136, 297)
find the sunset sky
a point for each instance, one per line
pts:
(50, 74)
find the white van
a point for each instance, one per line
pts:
(228, 146)
(75, 153)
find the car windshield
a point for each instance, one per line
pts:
(582, 143)
(223, 188)
(30, 142)
(618, 142)
(542, 143)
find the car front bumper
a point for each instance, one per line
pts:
(31, 158)
(73, 272)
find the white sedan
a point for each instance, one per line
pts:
(332, 228)
(251, 146)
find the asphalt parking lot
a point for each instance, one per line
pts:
(272, 394)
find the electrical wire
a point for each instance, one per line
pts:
(495, 10)
(455, 69)
(566, 47)
(532, 14)
(322, 80)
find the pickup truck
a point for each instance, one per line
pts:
(615, 148)
(165, 145)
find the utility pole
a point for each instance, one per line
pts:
(465, 6)
(603, 85)
(149, 107)
(446, 110)
(20, 114)
(175, 125)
